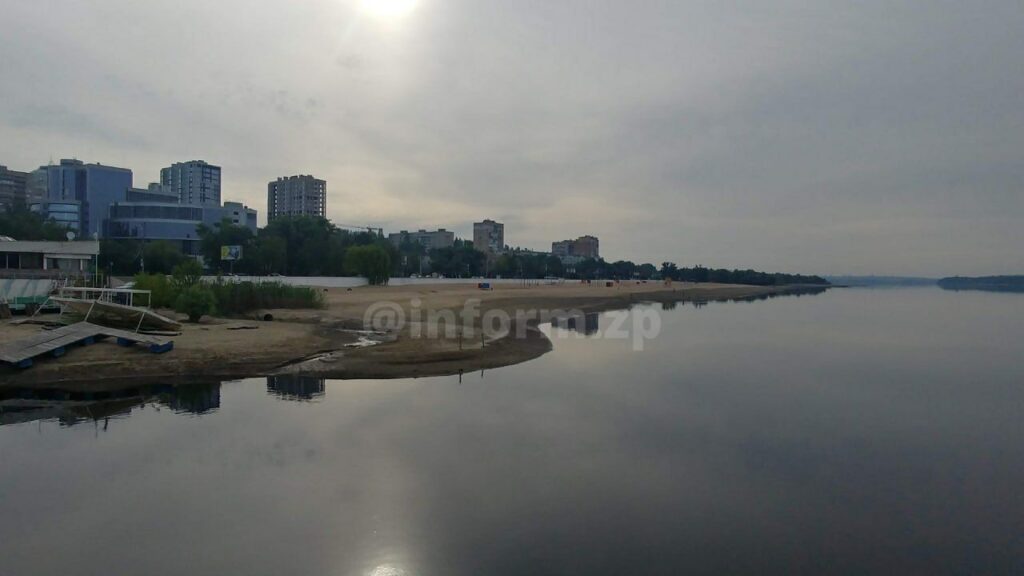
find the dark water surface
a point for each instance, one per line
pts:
(858, 430)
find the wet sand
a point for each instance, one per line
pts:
(314, 342)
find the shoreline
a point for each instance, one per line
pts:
(314, 343)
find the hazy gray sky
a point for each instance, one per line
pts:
(816, 136)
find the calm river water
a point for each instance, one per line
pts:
(847, 432)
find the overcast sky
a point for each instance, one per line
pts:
(818, 136)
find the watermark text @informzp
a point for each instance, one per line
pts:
(470, 322)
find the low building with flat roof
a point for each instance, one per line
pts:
(154, 193)
(172, 222)
(33, 259)
(440, 238)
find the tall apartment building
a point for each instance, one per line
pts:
(587, 247)
(195, 182)
(489, 237)
(579, 249)
(13, 186)
(297, 196)
(430, 240)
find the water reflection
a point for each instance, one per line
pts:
(585, 324)
(93, 404)
(108, 400)
(858, 432)
(795, 292)
(297, 388)
(79, 404)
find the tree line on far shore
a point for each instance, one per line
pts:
(312, 246)
(723, 276)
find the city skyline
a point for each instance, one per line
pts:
(698, 134)
(170, 184)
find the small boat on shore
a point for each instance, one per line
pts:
(115, 308)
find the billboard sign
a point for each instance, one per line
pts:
(230, 253)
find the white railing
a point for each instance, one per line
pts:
(122, 296)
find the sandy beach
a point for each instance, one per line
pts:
(325, 343)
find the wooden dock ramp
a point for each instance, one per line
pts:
(22, 353)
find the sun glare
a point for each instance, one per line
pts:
(388, 8)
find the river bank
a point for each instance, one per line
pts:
(330, 343)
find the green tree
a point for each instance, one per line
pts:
(505, 266)
(224, 233)
(161, 257)
(592, 269)
(121, 256)
(162, 292)
(195, 301)
(271, 254)
(20, 223)
(409, 257)
(458, 261)
(371, 262)
(313, 246)
(554, 266)
(186, 275)
(622, 269)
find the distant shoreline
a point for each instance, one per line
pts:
(314, 342)
(985, 283)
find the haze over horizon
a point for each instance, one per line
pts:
(816, 137)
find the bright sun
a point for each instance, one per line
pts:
(389, 8)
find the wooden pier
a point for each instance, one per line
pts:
(22, 353)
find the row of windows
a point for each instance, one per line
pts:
(157, 212)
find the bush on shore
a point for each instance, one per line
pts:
(229, 298)
(186, 275)
(240, 297)
(195, 301)
(163, 294)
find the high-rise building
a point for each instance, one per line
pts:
(13, 186)
(79, 195)
(579, 249)
(37, 186)
(489, 237)
(297, 196)
(587, 247)
(430, 240)
(195, 182)
(563, 248)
